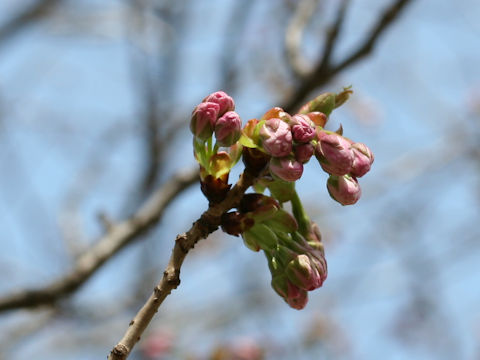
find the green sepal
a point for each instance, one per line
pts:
(282, 190)
(281, 222)
(324, 103)
(262, 236)
(247, 142)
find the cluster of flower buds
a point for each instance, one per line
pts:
(296, 261)
(297, 266)
(345, 161)
(215, 115)
(281, 143)
(291, 141)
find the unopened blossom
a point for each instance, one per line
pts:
(286, 168)
(203, 119)
(318, 118)
(306, 272)
(276, 137)
(303, 152)
(224, 101)
(303, 129)
(277, 113)
(294, 296)
(362, 161)
(228, 129)
(344, 189)
(334, 153)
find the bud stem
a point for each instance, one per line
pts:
(300, 214)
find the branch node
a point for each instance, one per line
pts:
(120, 351)
(173, 278)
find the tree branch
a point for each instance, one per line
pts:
(117, 236)
(32, 13)
(293, 37)
(324, 71)
(206, 224)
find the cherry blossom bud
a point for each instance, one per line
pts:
(303, 129)
(286, 168)
(294, 296)
(306, 272)
(303, 152)
(224, 101)
(228, 129)
(278, 113)
(314, 237)
(362, 161)
(344, 189)
(334, 153)
(318, 118)
(276, 137)
(203, 120)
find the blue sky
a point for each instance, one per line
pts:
(63, 90)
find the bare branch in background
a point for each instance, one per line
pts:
(293, 37)
(119, 235)
(70, 221)
(155, 72)
(324, 71)
(332, 35)
(231, 39)
(34, 12)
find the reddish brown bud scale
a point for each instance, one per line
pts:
(254, 159)
(215, 189)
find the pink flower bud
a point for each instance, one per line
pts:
(228, 129)
(303, 129)
(303, 152)
(344, 189)
(334, 153)
(276, 137)
(287, 169)
(307, 272)
(363, 159)
(294, 296)
(203, 120)
(225, 102)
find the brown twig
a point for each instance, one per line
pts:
(119, 235)
(325, 71)
(206, 224)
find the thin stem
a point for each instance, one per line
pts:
(206, 224)
(300, 214)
